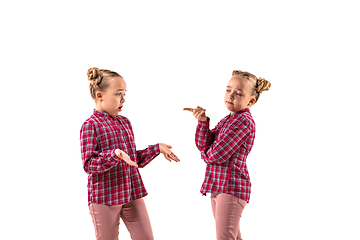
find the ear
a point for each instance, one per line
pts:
(251, 102)
(99, 96)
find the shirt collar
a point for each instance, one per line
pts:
(101, 113)
(242, 111)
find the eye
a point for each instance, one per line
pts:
(227, 90)
(238, 94)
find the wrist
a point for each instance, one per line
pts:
(204, 119)
(161, 147)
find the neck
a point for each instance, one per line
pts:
(99, 108)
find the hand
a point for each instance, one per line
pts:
(198, 113)
(121, 154)
(168, 154)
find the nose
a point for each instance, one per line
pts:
(122, 100)
(232, 96)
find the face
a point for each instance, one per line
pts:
(112, 100)
(238, 95)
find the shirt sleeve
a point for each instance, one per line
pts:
(144, 157)
(93, 160)
(226, 143)
(204, 136)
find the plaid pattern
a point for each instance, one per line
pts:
(225, 149)
(111, 181)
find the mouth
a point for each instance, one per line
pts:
(229, 103)
(119, 108)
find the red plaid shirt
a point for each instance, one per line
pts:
(225, 149)
(111, 181)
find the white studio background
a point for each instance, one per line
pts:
(176, 54)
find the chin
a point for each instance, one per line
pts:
(230, 109)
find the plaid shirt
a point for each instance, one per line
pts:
(111, 181)
(225, 149)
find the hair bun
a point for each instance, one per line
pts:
(235, 72)
(94, 75)
(262, 85)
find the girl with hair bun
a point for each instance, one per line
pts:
(225, 149)
(110, 158)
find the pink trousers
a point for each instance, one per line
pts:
(227, 210)
(106, 220)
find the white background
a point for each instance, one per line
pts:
(176, 54)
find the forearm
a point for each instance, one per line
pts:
(144, 157)
(94, 162)
(225, 146)
(203, 137)
(213, 156)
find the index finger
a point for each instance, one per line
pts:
(188, 109)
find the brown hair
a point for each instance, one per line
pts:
(260, 84)
(100, 79)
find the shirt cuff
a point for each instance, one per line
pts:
(204, 123)
(155, 148)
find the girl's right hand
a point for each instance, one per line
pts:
(121, 154)
(198, 113)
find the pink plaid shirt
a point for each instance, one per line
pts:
(111, 181)
(225, 149)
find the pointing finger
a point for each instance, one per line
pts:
(188, 109)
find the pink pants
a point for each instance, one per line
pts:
(106, 220)
(227, 210)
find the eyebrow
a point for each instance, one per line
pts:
(122, 90)
(236, 88)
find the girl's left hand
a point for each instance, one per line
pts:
(168, 154)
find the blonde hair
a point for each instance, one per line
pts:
(260, 84)
(99, 80)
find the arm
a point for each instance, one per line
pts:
(226, 143)
(204, 136)
(158, 148)
(93, 160)
(145, 156)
